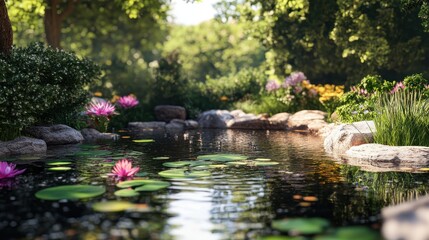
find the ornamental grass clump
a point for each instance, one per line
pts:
(402, 119)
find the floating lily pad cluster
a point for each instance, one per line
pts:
(70, 192)
(131, 188)
(59, 165)
(319, 228)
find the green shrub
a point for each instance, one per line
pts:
(42, 85)
(264, 104)
(402, 119)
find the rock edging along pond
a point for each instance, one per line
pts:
(353, 144)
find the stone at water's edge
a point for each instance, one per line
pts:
(91, 134)
(166, 113)
(345, 136)
(214, 119)
(390, 156)
(22, 145)
(407, 221)
(312, 120)
(138, 126)
(176, 125)
(56, 134)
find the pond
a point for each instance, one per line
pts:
(234, 201)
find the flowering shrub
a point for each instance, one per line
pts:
(358, 104)
(40, 85)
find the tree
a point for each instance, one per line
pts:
(6, 34)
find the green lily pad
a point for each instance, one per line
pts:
(266, 163)
(29, 158)
(112, 206)
(152, 187)
(138, 182)
(126, 193)
(353, 232)
(262, 159)
(134, 153)
(143, 140)
(93, 153)
(108, 164)
(184, 173)
(200, 168)
(161, 158)
(300, 226)
(59, 168)
(222, 157)
(176, 164)
(58, 163)
(236, 163)
(70, 192)
(218, 166)
(200, 163)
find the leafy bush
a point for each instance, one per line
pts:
(402, 119)
(41, 85)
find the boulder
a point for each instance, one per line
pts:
(407, 221)
(345, 136)
(23, 145)
(166, 113)
(214, 119)
(311, 120)
(56, 134)
(176, 125)
(145, 126)
(280, 118)
(191, 124)
(390, 156)
(91, 134)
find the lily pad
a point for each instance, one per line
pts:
(58, 163)
(300, 226)
(354, 232)
(200, 168)
(126, 193)
(237, 163)
(153, 187)
(222, 157)
(138, 182)
(70, 192)
(161, 158)
(59, 168)
(184, 173)
(266, 163)
(143, 140)
(176, 164)
(262, 159)
(112, 206)
(218, 166)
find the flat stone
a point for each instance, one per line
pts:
(23, 145)
(300, 120)
(191, 124)
(280, 118)
(91, 134)
(56, 134)
(407, 221)
(176, 125)
(214, 119)
(379, 155)
(142, 126)
(345, 136)
(166, 113)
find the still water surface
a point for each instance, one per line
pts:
(234, 203)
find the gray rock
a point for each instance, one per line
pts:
(214, 119)
(191, 124)
(176, 125)
(166, 113)
(311, 120)
(407, 221)
(56, 134)
(390, 156)
(143, 126)
(345, 136)
(91, 134)
(280, 118)
(23, 145)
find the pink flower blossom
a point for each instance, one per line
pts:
(398, 86)
(7, 170)
(128, 101)
(294, 79)
(123, 169)
(100, 109)
(272, 85)
(297, 89)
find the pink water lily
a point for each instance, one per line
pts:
(128, 101)
(123, 169)
(100, 109)
(7, 170)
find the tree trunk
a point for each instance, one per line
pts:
(6, 34)
(53, 20)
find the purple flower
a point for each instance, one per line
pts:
(272, 85)
(128, 101)
(398, 86)
(7, 170)
(359, 91)
(100, 109)
(123, 169)
(294, 79)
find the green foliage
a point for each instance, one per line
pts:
(41, 85)
(402, 119)
(213, 49)
(263, 104)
